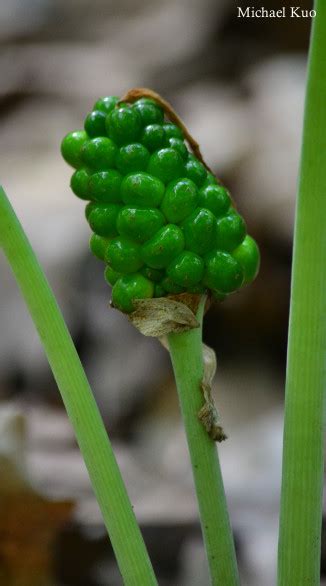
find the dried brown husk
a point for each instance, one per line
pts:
(208, 414)
(161, 316)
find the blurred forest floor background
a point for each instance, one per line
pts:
(239, 86)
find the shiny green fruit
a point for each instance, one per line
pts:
(95, 124)
(248, 256)
(131, 158)
(178, 145)
(152, 274)
(231, 230)
(171, 287)
(104, 187)
(200, 231)
(210, 180)
(123, 125)
(166, 165)
(111, 276)
(153, 137)
(223, 273)
(99, 153)
(160, 250)
(187, 269)
(142, 189)
(106, 104)
(99, 246)
(146, 100)
(88, 210)
(123, 255)
(128, 288)
(180, 200)
(103, 218)
(195, 171)
(71, 148)
(79, 183)
(214, 198)
(149, 112)
(139, 224)
(172, 131)
(161, 220)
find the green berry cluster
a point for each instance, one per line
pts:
(161, 222)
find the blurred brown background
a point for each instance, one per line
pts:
(239, 86)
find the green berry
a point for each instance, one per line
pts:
(71, 148)
(130, 163)
(149, 112)
(123, 125)
(180, 199)
(103, 218)
(195, 171)
(232, 211)
(210, 180)
(124, 255)
(153, 137)
(231, 230)
(215, 198)
(99, 153)
(159, 291)
(111, 276)
(223, 272)
(142, 189)
(178, 145)
(187, 269)
(99, 246)
(172, 131)
(104, 187)
(171, 287)
(131, 158)
(160, 250)
(95, 124)
(89, 208)
(106, 104)
(79, 183)
(166, 164)
(150, 101)
(131, 287)
(138, 223)
(200, 231)
(152, 274)
(247, 255)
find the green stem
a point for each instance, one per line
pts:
(303, 461)
(79, 401)
(187, 359)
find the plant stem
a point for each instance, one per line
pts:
(79, 401)
(303, 461)
(187, 360)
